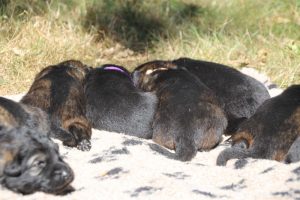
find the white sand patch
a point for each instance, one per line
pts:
(124, 167)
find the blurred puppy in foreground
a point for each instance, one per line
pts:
(29, 159)
(188, 117)
(115, 104)
(273, 132)
(58, 90)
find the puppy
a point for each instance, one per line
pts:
(29, 159)
(58, 90)
(115, 104)
(240, 94)
(273, 132)
(188, 116)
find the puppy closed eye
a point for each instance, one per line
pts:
(36, 164)
(37, 167)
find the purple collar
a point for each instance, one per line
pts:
(114, 68)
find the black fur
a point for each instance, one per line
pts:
(114, 104)
(273, 132)
(240, 94)
(29, 159)
(188, 117)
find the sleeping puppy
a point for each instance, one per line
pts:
(273, 132)
(240, 94)
(58, 90)
(29, 159)
(115, 104)
(188, 116)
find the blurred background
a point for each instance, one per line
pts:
(264, 35)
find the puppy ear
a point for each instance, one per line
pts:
(13, 169)
(149, 81)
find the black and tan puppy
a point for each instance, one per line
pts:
(115, 104)
(29, 159)
(240, 94)
(58, 90)
(188, 116)
(273, 132)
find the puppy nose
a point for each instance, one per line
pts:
(62, 174)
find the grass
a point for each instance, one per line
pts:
(261, 34)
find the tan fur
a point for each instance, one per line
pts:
(209, 141)
(279, 155)
(243, 136)
(164, 140)
(7, 119)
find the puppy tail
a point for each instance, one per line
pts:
(185, 148)
(233, 153)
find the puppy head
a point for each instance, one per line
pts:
(74, 67)
(145, 74)
(292, 92)
(36, 164)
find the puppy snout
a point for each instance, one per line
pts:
(63, 173)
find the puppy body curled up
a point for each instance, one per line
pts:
(115, 104)
(273, 132)
(29, 159)
(240, 94)
(58, 90)
(188, 116)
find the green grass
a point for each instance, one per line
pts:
(262, 34)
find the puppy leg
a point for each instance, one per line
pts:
(40, 121)
(81, 130)
(238, 151)
(79, 133)
(293, 154)
(66, 137)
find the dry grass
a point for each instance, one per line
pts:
(261, 34)
(41, 42)
(279, 58)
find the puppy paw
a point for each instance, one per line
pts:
(70, 142)
(293, 154)
(292, 157)
(84, 145)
